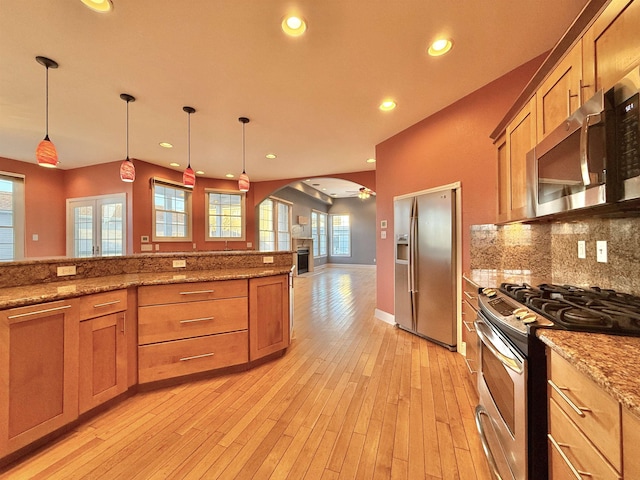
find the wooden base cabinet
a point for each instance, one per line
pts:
(469, 334)
(268, 315)
(103, 354)
(38, 372)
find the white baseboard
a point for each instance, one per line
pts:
(385, 317)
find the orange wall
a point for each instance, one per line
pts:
(453, 145)
(44, 213)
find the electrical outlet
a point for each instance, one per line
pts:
(179, 263)
(601, 251)
(68, 270)
(249, 244)
(383, 234)
(146, 248)
(267, 259)
(582, 249)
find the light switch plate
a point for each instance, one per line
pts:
(601, 251)
(267, 259)
(67, 270)
(582, 249)
(179, 263)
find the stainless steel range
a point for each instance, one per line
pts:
(512, 414)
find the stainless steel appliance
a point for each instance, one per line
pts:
(512, 413)
(425, 265)
(593, 158)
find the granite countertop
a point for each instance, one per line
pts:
(11, 297)
(611, 361)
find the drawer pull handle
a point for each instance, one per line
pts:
(578, 474)
(471, 370)
(106, 304)
(184, 359)
(194, 320)
(38, 312)
(469, 296)
(469, 327)
(579, 410)
(197, 292)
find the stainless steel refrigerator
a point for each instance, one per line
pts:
(425, 265)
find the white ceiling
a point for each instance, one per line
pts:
(312, 100)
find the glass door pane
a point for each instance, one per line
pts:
(83, 230)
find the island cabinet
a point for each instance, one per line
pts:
(584, 425)
(611, 46)
(469, 335)
(191, 327)
(269, 315)
(512, 164)
(630, 444)
(103, 350)
(39, 372)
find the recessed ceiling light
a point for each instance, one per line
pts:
(271, 156)
(371, 160)
(165, 145)
(293, 25)
(174, 164)
(387, 105)
(199, 172)
(440, 47)
(229, 175)
(102, 6)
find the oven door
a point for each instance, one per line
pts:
(501, 415)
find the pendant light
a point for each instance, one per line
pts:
(243, 181)
(188, 177)
(46, 152)
(127, 168)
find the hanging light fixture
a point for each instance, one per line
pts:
(364, 193)
(189, 177)
(127, 168)
(243, 180)
(46, 152)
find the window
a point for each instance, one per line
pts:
(96, 226)
(275, 225)
(225, 215)
(319, 233)
(340, 236)
(11, 217)
(171, 212)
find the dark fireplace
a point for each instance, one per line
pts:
(303, 260)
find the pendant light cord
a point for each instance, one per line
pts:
(127, 129)
(189, 140)
(46, 109)
(243, 149)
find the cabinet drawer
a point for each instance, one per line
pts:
(159, 323)
(470, 296)
(191, 292)
(100, 304)
(160, 361)
(591, 409)
(569, 448)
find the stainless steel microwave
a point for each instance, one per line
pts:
(593, 158)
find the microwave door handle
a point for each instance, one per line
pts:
(589, 120)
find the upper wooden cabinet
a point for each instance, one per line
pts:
(560, 94)
(38, 372)
(520, 138)
(611, 46)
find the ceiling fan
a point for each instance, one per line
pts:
(362, 193)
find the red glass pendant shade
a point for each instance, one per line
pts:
(46, 154)
(243, 182)
(189, 177)
(127, 171)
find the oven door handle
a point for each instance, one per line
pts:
(480, 412)
(489, 339)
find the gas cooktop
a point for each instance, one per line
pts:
(585, 309)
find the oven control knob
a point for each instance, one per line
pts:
(489, 292)
(520, 312)
(529, 318)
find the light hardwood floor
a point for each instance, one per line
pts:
(353, 397)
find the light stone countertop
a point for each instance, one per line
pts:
(611, 361)
(11, 297)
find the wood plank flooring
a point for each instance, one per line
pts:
(353, 397)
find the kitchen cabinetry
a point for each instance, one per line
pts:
(191, 327)
(560, 93)
(469, 335)
(268, 315)
(611, 46)
(512, 164)
(584, 424)
(103, 350)
(630, 444)
(39, 371)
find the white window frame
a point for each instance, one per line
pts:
(243, 214)
(188, 213)
(96, 203)
(18, 204)
(331, 217)
(275, 224)
(320, 248)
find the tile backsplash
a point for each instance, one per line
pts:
(550, 251)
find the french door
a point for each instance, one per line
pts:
(96, 226)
